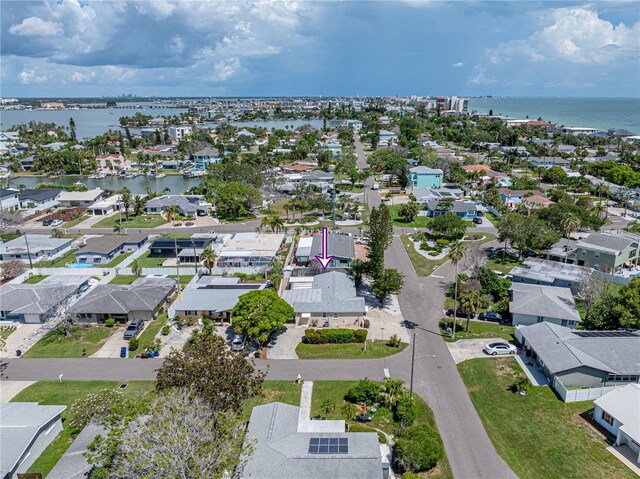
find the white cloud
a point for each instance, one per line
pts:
(34, 26)
(458, 65)
(225, 69)
(78, 77)
(479, 78)
(575, 35)
(31, 77)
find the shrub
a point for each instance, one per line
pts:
(366, 391)
(442, 242)
(133, 344)
(360, 335)
(333, 336)
(424, 246)
(110, 322)
(433, 253)
(419, 448)
(165, 329)
(394, 341)
(405, 411)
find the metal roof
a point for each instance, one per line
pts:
(331, 292)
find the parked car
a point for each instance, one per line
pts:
(494, 349)
(56, 223)
(459, 313)
(477, 221)
(47, 222)
(528, 253)
(362, 240)
(490, 316)
(238, 342)
(134, 328)
(480, 214)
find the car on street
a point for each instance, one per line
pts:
(47, 222)
(459, 313)
(493, 349)
(477, 221)
(134, 328)
(362, 240)
(238, 342)
(56, 223)
(490, 316)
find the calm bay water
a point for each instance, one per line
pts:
(602, 113)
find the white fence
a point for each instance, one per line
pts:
(583, 394)
(189, 270)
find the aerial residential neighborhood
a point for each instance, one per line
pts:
(295, 240)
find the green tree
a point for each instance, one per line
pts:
(448, 226)
(276, 272)
(358, 270)
(470, 302)
(125, 199)
(390, 281)
(136, 268)
(327, 407)
(172, 213)
(380, 233)
(456, 254)
(72, 129)
(390, 391)
(138, 205)
(207, 366)
(419, 448)
(209, 258)
(259, 313)
(235, 200)
(408, 211)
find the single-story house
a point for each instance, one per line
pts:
(463, 209)
(250, 249)
(172, 247)
(106, 206)
(536, 201)
(582, 358)
(73, 199)
(424, 177)
(532, 303)
(513, 198)
(187, 205)
(36, 303)
(329, 297)
(205, 157)
(26, 429)
(38, 200)
(141, 299)
(104, 248)
(549, 161)
(339, 245)
(549, 273)
(564, 251)
(212, 296)
(287, 446)
(36, 247)
(618, 412)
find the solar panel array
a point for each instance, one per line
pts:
(329, 445)
(605, 334)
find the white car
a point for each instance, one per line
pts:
(238, 342)
(494, 349)
(56, 223)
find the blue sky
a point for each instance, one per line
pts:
(188, 48)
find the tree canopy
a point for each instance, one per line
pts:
(259, 313)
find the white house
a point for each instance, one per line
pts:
(619, 413)
(73, 199)
(9, 200)
(177, 133)
(39, 200)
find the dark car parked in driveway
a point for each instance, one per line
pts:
(490, 316)
(134, 328)
(47, 222)
(477, 221)
(459, 313)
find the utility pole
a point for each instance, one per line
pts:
(413, 358)
(195, 257)
(26, 242)
(334, 209)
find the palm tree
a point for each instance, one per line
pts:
(570, 223)
(456, 254)
(56, 233)
(358, 270)
(171, 212)
(117, 228)
(125, 199)
(390, 391)
(209, 259)
(136, 268)
(138, 205)
(276, 272)
(470, 301)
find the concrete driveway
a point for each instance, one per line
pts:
(471, 349)
(283, 345)
(111, 347)
(25, 336)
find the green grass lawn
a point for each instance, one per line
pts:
(422, 265)
(36, 278)
(4, 333)
(493, 218)
(66, 393)
(123, 279)
(418, 221)
(538, 435)
(477, 329)
(184, 278)
(72, 223)
(377, 349)
(114, 262)
(287, 392)
(60, 262)
(179, 235)
(55, 345)
(144, 221)
(150, 262)
(496, 264)
(149, 334)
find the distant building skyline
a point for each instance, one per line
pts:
(72, 48)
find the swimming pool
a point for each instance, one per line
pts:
(79, 265)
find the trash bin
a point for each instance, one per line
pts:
(123, 352)
(18, 353)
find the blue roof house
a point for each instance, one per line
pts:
(423, 177)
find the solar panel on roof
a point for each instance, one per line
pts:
(605, 334)
(329, 445)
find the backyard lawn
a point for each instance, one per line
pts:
(150, 262)
(497, 264)
(418, 221)
(55, 345)
(36, 278)
(114, 262)
(422, 265)
(538, 435)
(123, 279)
(66, 393)
(149, 334)
(60, 262)
(477, 329)
(377, 349)
(143, 221)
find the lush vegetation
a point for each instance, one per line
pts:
(36, 278)
(81, 339)
(344, 335)
(477, 329)
(374, 349)
(259, 313)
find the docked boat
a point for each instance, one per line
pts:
(160, 175)
(79, 183)
(101, 176)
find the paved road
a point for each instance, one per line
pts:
(436, 378)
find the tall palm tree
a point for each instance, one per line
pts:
(358, 270)
(171, 213)
(470, 301)
(125, 199)
(570, 223)
(456, 254)
(209, 259)
(138, 205)
(136, 268)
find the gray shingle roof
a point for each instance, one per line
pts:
(339, 245)
(546, 301)
(186, 203)
(281, 452)
(207, 151)
(108, 243)
(617, 242)
(37, 243)
(331, 292)
(144, 294)
(38, 195)
(214, 295)
(563, 349)
(41, 297)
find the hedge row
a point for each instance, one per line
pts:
(324, 336)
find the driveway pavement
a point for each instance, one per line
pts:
(111, 347)
(9, 389)
(464, 349)
(25, 336)
(176, 339)
(283, 345)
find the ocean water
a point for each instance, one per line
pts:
(601, 113)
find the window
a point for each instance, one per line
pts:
(607, 418)
(191, 313)
(583, 252)
(324, 315)
(335, 315)
(539, 319)
(596, 254)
